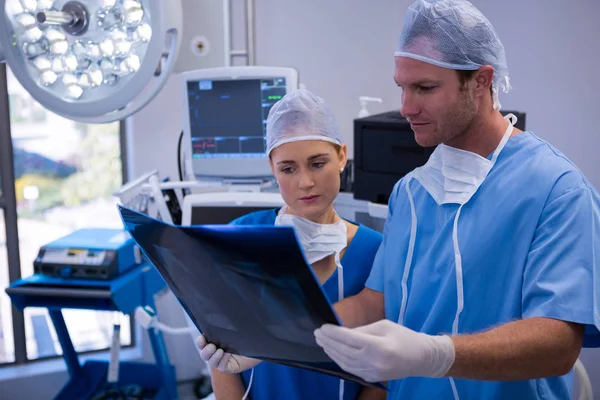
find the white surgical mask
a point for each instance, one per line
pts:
(451, 176)
(319, 241)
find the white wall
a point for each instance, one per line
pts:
(153, 133)
(344, 49)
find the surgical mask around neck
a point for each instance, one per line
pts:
(452, 176)
(318, 240)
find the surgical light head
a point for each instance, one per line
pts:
(301, 115)
(453, 34)
(90, 60)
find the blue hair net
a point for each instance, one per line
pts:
(453, 34)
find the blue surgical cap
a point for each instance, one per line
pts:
(453, 34)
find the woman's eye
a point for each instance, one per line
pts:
(287, 170)
(318, 165)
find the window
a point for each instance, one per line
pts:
(64, 176)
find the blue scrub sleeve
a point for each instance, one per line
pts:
(239, 221)
(376, 277)
(562, 274)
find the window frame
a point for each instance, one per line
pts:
(8, 205)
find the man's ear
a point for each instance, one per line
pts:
(484, 78)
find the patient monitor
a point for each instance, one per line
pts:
(224, 119)
(222, 208)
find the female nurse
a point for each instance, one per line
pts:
(307, 157)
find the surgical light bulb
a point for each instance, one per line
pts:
(107, 3)
(54, 34)
(133, 12)
(130, 64)
(118, 34)
(25, 19)
(108, 47)
(59, 47)
(93, 50)
(70, 62)
(107, 65)
(58, 66)
(14, 7)
(74, 91)
(95, 76)
(44, 4)
(29, 5)
(122, 47)
(84, 80)
(69, 79)
(143, 33)
(33, 34)
(48, 77)
(42, 63)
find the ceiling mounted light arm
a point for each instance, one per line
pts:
(91, 61)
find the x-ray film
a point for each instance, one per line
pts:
(248, 289)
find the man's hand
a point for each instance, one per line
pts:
(385, 351)
(224, 362)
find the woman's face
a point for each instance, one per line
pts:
(308, 173)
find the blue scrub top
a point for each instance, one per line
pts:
(530, 245)
(274, 381)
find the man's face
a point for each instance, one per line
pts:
(438, 108)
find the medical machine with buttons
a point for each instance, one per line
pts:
(101, 254)
(99, 269)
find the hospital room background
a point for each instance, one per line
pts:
(342, 50)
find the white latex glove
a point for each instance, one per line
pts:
(224, 362)
(385, 351)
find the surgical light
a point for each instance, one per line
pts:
(91, 61)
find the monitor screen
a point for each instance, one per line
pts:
(225, 114)
(228, 118)
(214, 215)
